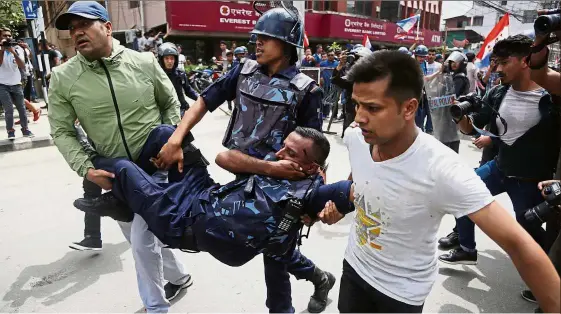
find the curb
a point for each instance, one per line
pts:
(25, 143)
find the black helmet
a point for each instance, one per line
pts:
(281, 24)
(168, 49)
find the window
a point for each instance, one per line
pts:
(360, 7)
(462, 23)
(504, 2)
(329, 5)
(529, 16)
(134, 4)
(317, 5)
(477, 21)
(351, 6)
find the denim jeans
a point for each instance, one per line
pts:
(523, 194)
(11, 95)
(420, 115)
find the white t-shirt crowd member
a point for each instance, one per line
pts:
(433, 67)
(399, 204)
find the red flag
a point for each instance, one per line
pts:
(306, 41)
(366, 42)
(500, 31)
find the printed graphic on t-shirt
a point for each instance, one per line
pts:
(368, 222)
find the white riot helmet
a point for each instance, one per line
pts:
(457, 57)
(361, 51)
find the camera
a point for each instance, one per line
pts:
(552, 200)
(548, 21)
(351, 58)
(9, 43)
(468, 104)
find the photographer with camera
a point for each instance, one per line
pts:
(339, 78)
(549, 21)
(11, 92)
(522, 114)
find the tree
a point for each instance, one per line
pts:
(11, 14)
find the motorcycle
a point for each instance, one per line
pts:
(201, 79)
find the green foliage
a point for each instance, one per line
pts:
(334, 46)
(11, 14)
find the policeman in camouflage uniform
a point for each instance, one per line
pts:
(168, 56)
(272, 97)
(234, 222)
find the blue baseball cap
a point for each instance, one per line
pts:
(87, 9)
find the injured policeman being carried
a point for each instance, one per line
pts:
(233, 222)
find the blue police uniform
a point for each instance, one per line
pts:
(182, 88)
(229, 222)
(306, 113)
(266, 110)
(177, 77)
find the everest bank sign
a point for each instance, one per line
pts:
(239, 17)
(211, 16)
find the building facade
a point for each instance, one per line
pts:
(126, 16)
(200, 31)
(200, 25)
(478, 21)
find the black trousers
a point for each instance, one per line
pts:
(455, 146)
(357, 296)
(92, 223)
(27, 88)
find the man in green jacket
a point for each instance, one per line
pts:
(119, 96)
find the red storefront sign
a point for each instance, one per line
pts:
(211, 16)
(350, 27)
(235, 17)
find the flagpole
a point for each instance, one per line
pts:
(418, 25)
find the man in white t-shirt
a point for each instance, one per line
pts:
(432, 65)
(181, 60)
(471, 71)
(405, 182)
(12, 65)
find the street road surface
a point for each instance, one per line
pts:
(39, 273)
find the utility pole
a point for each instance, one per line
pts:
(301, 7)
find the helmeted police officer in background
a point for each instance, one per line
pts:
(239, 54)
(421, 53)
(272, 97)
(168, 56)
(339, 78)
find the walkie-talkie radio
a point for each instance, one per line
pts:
(292, 214)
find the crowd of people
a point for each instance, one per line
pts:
(406, 172)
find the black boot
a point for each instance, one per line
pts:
(105, 205)
(449, 242)
(323, 282)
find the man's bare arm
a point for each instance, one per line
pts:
(19, 60)
(528, 257)
(239, 163)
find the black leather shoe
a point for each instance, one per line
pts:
(459, 257)
(107, 205)
(451, 241)
(323, 283)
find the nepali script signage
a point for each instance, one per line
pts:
(239, 17)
